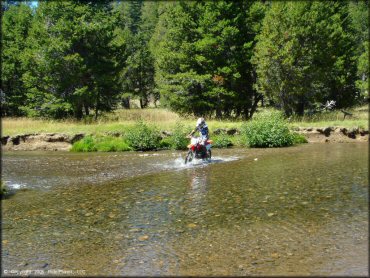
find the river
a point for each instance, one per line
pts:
(301, 210)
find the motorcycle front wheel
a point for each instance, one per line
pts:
(189, 157)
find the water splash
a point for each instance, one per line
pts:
(179, 162)
(15, 186)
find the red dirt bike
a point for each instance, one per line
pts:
(199, 150)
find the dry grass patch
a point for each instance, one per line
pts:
(163, 119)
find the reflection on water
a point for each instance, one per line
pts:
(294, 211)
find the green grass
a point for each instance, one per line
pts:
(100, 144)
(122, 120)
(360, 119)
(222, 140)
(13, 126)
(299, 138)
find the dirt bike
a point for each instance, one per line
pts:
(199, 150)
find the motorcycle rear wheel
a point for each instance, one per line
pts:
(189, 157)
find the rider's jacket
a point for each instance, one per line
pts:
(203, 131)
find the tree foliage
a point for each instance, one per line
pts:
(203, 57)
(70, 60)
(305, 55)
(138, 20)
(359, 11)
(16, 23)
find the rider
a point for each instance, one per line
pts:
(203, 130)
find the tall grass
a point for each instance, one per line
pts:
(359, 118)
(122, 120)
(153, 115)
(118, 121)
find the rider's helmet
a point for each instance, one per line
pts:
(200, 122)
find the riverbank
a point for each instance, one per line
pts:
(64, 142)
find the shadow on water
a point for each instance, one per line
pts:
(294, 211)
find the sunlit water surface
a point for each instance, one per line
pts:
(292, 211)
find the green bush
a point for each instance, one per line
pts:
(86, 144)
(222, 140)
(111, 144)
(268, 129)
(178, 140)
(101, 144)
(142, 137)
(165, 143)
(299, 138)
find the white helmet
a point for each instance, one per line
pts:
(200, 122)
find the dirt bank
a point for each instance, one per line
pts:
(44, 142)
(334, 134)
(63, 142)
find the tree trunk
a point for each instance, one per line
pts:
(78, 112)
(218, 108)
(97, 106)
(257, 98)
(218, 113)
(143, 102)
(300, 108)
(126, 102)
(87, 112)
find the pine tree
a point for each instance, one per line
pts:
(203, 57)
(137, 73)
(304, 55)
(359, 12)
(71, 60)
(16, 23)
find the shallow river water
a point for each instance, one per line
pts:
(292, 211)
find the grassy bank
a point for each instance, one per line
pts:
(165, 120)
(359, 118)
(142, 130)
(113, 122)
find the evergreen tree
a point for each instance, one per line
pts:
(71, 60)
(305, 55)
(137, 74)
(16, 22)
(203, 57)
(359, 11)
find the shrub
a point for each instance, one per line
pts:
(268, 129)
(86, 144)
(299, 138)
(221, 141)
(111, 144)
(178, 140)
(165, 143)
(101, 144)
(142, 137)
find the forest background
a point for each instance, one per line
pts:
(217, 59)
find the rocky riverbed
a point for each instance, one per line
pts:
(63, 142)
